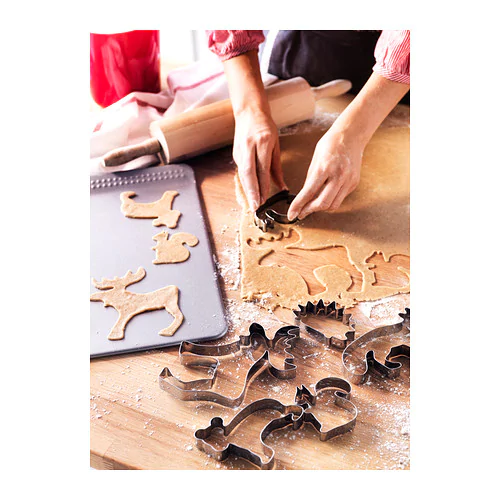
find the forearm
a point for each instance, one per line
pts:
(369, 108)
(245, 84)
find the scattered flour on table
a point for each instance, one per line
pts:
(241, 314)
(228, 265)
(321, 119)
(385, 311)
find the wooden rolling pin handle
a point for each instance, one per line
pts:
(123, 155)
(332, 89)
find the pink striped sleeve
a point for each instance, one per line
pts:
(392, 55)
(231, 43)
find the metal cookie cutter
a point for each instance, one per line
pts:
(388, 368)
(330, 311)
(265, 216)
(294, 415)
(199, 355)
(342, 395)
(290, 415)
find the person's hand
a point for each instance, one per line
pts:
(334, 173)
(256, 151)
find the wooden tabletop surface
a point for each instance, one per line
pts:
(136, 425)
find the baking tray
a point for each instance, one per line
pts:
(119, 244)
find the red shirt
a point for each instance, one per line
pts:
(392, 53)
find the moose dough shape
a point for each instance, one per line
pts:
(113, 293)
(171, 249)
(160, 210)
(372, 223)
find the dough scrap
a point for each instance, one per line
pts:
(172, 250)
(129, 304)
(160, 210)
(374, 219)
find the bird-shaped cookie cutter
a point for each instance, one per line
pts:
(265, 217)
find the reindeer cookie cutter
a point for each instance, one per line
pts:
(199, 355)
(265, 217)
(296, 415)
(389, 369)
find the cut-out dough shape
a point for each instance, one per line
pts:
(160, 210)
(374, 218)
(170, 250)
(129, 304)
(283, 253)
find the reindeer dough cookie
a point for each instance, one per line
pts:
(170, 250)
(129, 304)
(160, 210)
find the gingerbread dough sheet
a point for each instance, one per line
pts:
(344, 256)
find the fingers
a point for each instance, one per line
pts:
(311, 189)
(249, 181)
(276, 170)
(341, 195)
(264, 159)
(329, 193)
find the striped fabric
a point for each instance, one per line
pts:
(392, 53)
(231, 43)
(392, 56)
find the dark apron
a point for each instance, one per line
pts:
(322, 56)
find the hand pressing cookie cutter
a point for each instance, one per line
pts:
(295, 415)
(329, 311)
(388, 368)
(265, 216)
(199, 355)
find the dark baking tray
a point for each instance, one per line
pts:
(119, 244)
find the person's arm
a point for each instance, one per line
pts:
(336, 164)
(256, 146)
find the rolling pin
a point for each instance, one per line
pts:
(211, 127)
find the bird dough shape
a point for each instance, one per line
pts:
(172, 250)
(129, 304)
(160, 210)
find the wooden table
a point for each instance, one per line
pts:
(136, 425)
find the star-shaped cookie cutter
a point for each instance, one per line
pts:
(265, 217)
(199, 355)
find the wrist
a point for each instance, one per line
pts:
(251, 104)
(348, 137)
(245, 85)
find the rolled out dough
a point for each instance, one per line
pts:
(345, 256)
